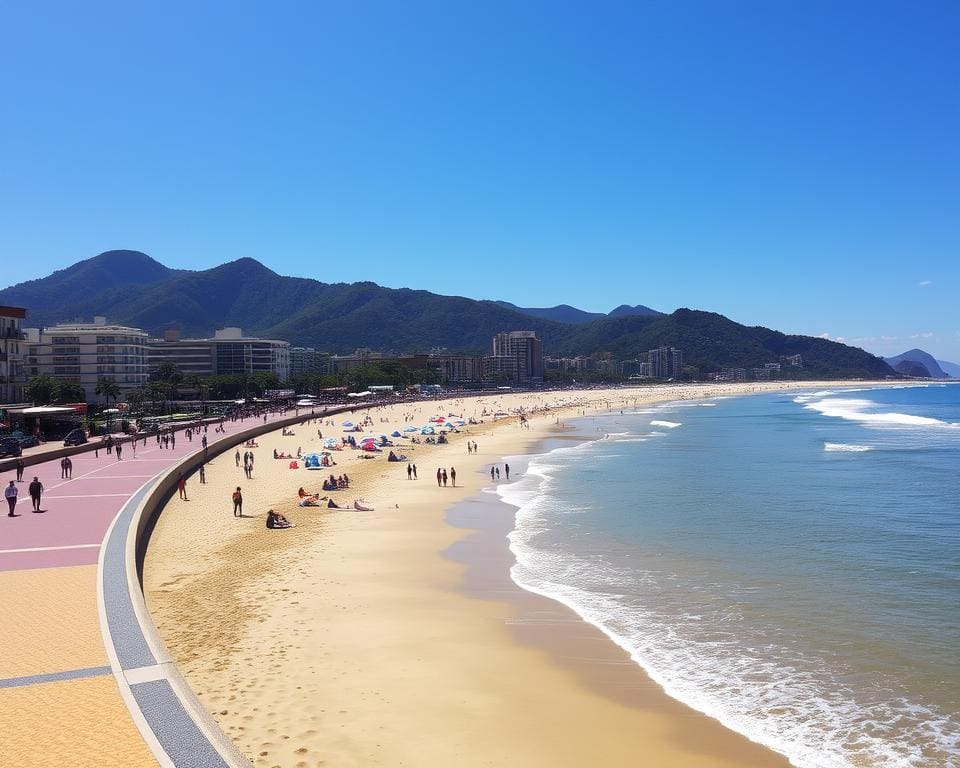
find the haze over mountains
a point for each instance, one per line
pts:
(131, 288)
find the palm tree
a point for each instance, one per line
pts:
(108, 388)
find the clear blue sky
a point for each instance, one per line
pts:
(792, 164)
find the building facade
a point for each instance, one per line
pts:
(12, 354)
(663, 363)
(87, 352)
(309, 360)
(517, 357)
(228, 353)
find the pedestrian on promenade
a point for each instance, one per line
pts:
(36, 491)
(10, 492)
(63, 468)
(69, 467)
(182, 486)
(133, 446)
(203, 442)
(203, 475)
(173, 440)
(20, 468)
(109, 443)
(119, 449)
(453, 477)
(237, 503)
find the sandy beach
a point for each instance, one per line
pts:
(394, 637)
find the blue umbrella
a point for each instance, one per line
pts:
(348, 423)
(411, 429)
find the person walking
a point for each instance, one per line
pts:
(69, 467)
(10, 492)
(236, 457)
(506, 468)
(237, 503)
(453, 476)
(414, 471)
(444, 478)
(119, 449)
(173, 440)
(182, 486)
(20, 467)
(36, 491)
(203, 475)
(409, 472)
(63, 468)
(491, 473)
(498, 473)
(439, 477)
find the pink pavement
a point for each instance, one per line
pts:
(78, 511)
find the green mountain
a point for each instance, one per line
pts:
(131, 288)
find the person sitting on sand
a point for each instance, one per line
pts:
(276, 520)
(309, 501)
(301, 493)
(331, 504)
(275, 454)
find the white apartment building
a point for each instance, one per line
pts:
(87, 352)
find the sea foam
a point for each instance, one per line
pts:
(846, 448)
(855, 409)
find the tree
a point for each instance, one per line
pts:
(41, 390)
(69, 392)
(158, 391)
(135, 398)
(108, 388)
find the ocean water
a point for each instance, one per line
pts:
(788, 564)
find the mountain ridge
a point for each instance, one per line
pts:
(340, 317)
(916, 362)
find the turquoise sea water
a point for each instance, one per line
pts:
(789, 564)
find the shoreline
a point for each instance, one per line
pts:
(240, 611)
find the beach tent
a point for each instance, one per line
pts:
(395, 434)
(427, 431)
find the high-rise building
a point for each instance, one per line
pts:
(665, 363)
(12, 349)
(308, 360)
(86, 352)
(517, 357)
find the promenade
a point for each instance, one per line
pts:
(59, 702)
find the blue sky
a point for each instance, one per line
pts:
(791, 164)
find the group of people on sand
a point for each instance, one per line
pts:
(442, 477)
(336, 483)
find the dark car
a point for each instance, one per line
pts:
(10, 446)
(75, 437)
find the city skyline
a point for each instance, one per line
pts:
(756, 163)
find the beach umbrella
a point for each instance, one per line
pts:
(410, 429)
(395, 434)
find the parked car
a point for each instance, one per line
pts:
(75, 437)
(26, 441)
(10, 446)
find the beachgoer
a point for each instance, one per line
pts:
(453, 477)
(203, 475)
(491, 473)
(506, 468)
(36, 491)
(236, 456)
(444, 478)
(10, 492)
(439, 477)
(409, 472)
(237, 503)
(182, 486)
(414, 471)
(498, 473)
